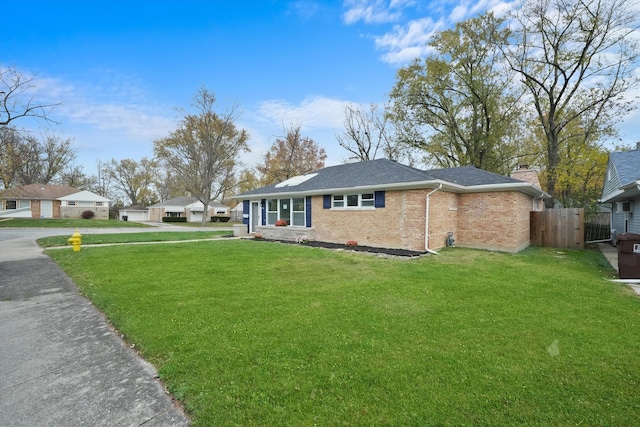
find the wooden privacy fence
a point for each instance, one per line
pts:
(558, 228)
(597, 228)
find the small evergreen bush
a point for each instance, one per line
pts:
(174, 219)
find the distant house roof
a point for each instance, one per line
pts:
(134, 208)
(185, 201)
(86, 196)
(38, 191)
(627, 164)
(386, 174)
(50, 192)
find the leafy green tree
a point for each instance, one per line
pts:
(202, 153)
(291, 156)
(577, 60)
(458, 104)
(582, 166)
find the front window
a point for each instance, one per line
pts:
(298, 211)
(366, 199)
(293, 211)
(174, 214)
(11, 204)
(272, 211)
(70, 203)
(353, 200)
(98, 203)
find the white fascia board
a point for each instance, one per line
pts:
(632, 186)
(84, 196)
(346, 190)
(622, 193)
(523, 187)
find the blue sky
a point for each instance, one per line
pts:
(122, 68)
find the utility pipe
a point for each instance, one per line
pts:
(426, 222)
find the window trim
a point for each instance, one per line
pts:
(364, 204)
(290, 204)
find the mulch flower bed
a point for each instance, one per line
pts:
(359, 248)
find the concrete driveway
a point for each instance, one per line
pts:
(60, 363)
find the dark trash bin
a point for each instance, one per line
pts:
(125, 217)
(628, 255)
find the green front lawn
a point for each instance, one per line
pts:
(67, 223)
(258, 333)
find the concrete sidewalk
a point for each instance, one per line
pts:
(60, 363)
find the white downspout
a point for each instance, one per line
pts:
(426, 222)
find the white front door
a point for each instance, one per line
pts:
(46, 209)
(255, 216)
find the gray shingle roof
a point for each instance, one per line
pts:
(381, 172)
(470, 176)
(627, 164)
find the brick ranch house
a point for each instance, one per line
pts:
(51, 201)
(383, 203)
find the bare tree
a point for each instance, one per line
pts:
(577, 59)
(368, 133)
(17, 97)
(134, 179)
(29, 160)
(203, 152)
(290, 156)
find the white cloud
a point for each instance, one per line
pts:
(372, 11)
(315, 112)
(408, 42)
(113, 103)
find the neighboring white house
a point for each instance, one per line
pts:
(621, 191)
(188, 207)
(51, 201)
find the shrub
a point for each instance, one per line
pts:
(352, 243)
(281, 223)
(258, 236)
(220, 218)
(174, 219)
(88, 214)
(302, 239)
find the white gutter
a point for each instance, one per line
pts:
(426, 221)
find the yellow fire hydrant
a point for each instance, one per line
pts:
(76, 241)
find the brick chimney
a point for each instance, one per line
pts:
(524, 173)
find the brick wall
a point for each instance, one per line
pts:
(101, 212)
(400, 224)
(495, 221)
